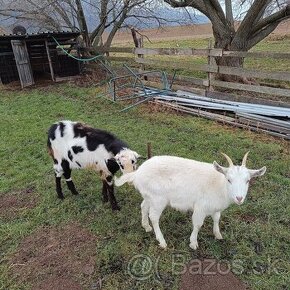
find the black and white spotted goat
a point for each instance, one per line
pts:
(74, 145)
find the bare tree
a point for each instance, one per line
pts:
(38, 15)
(257, 20)
(93, 18)
(113, 15)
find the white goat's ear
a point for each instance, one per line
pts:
(219, 168)
(136, 155)
(258, 172)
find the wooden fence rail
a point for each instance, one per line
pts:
(211, 52)
(143, 56)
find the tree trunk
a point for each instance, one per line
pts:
(226, 43)
(258, 23)
(96, 36)
(83, 23)
(231, 62)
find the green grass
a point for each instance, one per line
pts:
(25, 118)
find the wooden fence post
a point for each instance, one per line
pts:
(149, 150)
(210, 62)
(141, 45)
(134, 35)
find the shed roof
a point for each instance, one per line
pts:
(64, 35)
(2, 30)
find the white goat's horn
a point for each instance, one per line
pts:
(245, 159)
(228, 159)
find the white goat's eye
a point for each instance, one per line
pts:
(229, 181)
(133, 161)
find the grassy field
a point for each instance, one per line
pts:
(256, 234)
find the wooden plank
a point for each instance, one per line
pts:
(216, 51)
(178, 64)
(258, 54)
(69, 78)
(197, 112)
(121, 49)
(188, 80)
(280, 76)
(120, 58)
(62, 42)
(171, 51)
(22, 62)
(252, 88)
(206, 52)
(112, 49)
(49, 61)
(191, 80)
(5, 53)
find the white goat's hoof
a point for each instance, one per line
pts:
(218, 236)
(193, 245)
(163, 245)
(147, 228)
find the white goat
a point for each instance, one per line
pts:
(188, 185)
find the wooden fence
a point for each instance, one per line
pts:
(142, 58)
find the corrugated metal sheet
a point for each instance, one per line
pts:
(263, 118)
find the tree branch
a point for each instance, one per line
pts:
(196, 4)
(229, 13)
(253, 15)
(261, 34)
(278, 16)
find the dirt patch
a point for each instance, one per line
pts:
(13, 204)
(209, 274)
(55, 283)
(56, 258)
(93, 75)
(248, 218)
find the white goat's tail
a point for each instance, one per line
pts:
(127, 177)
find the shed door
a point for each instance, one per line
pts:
(22, 62)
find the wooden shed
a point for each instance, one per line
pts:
(30, 57)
